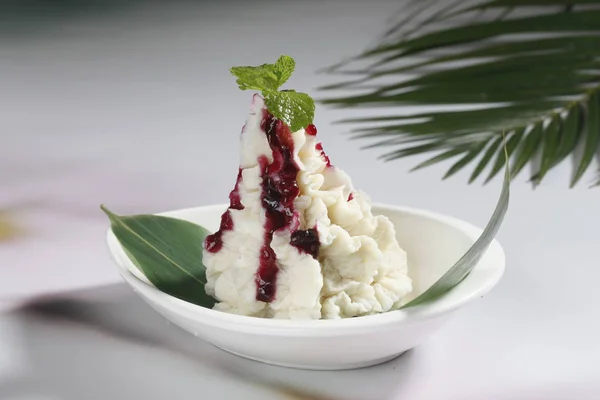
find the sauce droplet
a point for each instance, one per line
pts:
(311, 130)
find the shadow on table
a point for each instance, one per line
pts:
(108, 344)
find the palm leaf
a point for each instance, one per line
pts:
(534, 76)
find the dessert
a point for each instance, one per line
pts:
(298, 241)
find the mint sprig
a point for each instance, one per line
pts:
(284, 68)
(296, 109)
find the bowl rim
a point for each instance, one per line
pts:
(480, 281)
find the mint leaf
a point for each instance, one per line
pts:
(284, 68)
(262, 77)
(265, 76)
(296, 109)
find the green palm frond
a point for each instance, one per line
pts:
(529, 68)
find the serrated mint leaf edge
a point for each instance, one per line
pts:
(247, 77)
(300, 115)
(284, 68)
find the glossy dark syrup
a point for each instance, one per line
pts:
(213, 243)
(279, 189)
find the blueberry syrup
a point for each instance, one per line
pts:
(235, 200)
(306, 241)
(319, 147)
(279, 189)
(213, 243)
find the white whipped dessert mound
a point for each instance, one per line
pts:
(298, 241)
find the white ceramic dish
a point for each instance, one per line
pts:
(433, 242)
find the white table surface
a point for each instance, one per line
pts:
(135, 108)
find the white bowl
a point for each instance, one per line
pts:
(433, 242)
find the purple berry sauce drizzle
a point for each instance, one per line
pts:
(213, 243)
(319, 147)
(279, 189)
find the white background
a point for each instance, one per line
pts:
(135, 108)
